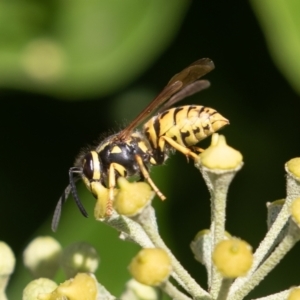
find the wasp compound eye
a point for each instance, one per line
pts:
(91, 166)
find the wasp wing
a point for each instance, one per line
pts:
(164, 95)
(189, 90)
(183, 81)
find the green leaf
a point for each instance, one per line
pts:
(81, 48)
(280, 22)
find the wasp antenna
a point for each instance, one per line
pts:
(58, 208)
(74, 190)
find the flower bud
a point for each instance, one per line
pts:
(8, 260)
(7, 265)
(82, 286)
(79, 257)
(274, 209)
(42, 256)
(101, 194)
(132, 197)
(232, 257)
(294, 294)
(138, 291)
(295, 211)
(36, 288)
(151, 266)
(201, 246)
(293, 166)
(220, 156)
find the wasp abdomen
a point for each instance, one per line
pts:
(186, 125)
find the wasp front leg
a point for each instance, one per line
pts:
(111, 187)
(147, 177)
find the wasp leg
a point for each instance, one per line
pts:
(146, 175)
(186, 151)
(111, 186)
(196, 149)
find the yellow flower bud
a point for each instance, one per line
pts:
(132, 197)
(101, 194)
(138, 291)
(201, 246)
(7, 265)
(79, 257)
(37, 288)
(293, 166)
(42, 256)
(151, 266)
(220, 156)
(7, 261)
(295, 211)
(232, 257)
(294, 294)
(82, 286)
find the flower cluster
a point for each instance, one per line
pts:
(233, 269)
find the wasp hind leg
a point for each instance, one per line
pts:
(196, 149)
(147, 177)
(184, 150)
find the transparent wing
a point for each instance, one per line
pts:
(181, 85)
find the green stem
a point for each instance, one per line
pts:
(224, 289)
(173, 292)
(186, 280)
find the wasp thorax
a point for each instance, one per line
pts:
(91, 166)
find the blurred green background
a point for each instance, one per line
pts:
(70, 71)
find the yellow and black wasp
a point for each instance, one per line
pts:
(131, 152)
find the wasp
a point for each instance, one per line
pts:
(131, 152)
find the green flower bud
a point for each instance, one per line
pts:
(232, 257)
(37, 288)
(151, 266)
(201, 246)
(132, 197)
(79, 257)
(42, 256)
(220, 156)
(274, 209)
